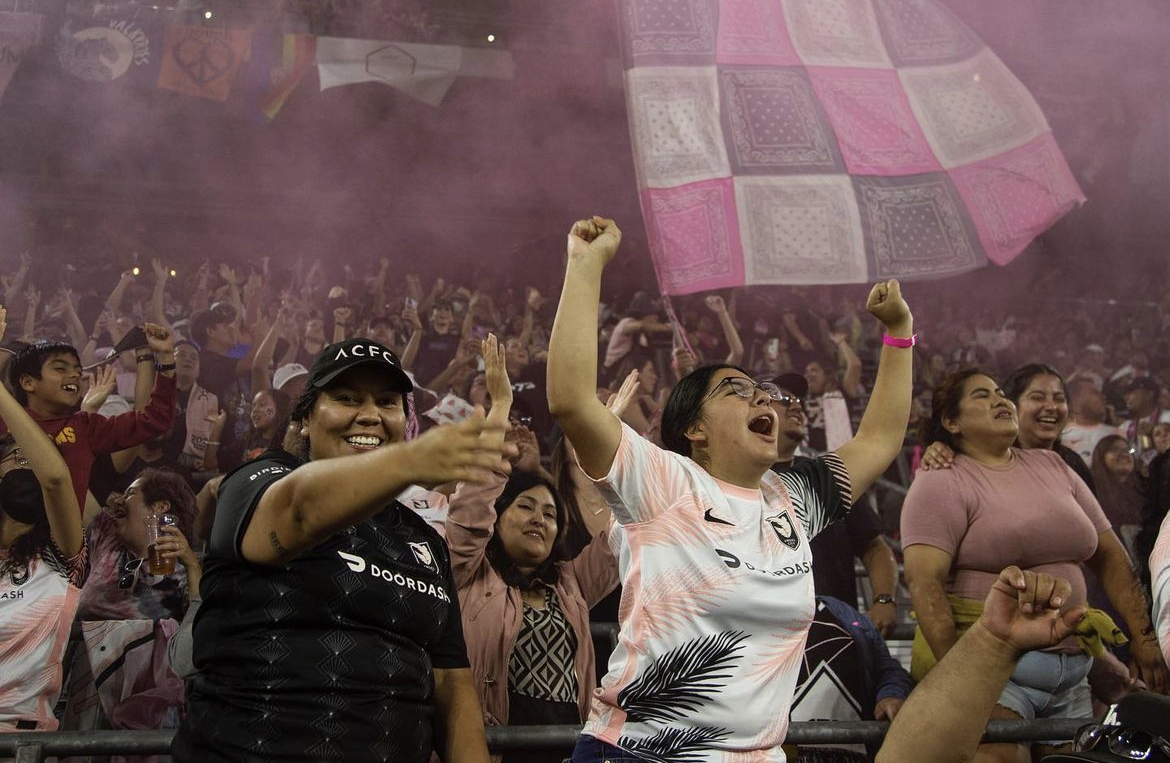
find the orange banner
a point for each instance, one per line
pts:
(203, 61)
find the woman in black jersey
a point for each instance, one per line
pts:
(330, 626)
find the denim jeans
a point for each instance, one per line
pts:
(592, 750)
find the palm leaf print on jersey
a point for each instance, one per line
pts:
(683, 679)
(676, 597)
(675, 745)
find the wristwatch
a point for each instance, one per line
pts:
(884, 598)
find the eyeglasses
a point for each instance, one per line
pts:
(746, 388)
(21, 461)
(788, 401)
(1129, 743)
(129, 573)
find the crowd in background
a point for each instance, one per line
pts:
(245, 337)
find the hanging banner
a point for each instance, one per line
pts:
(830, 141)
(203, 61)
(297, 56)
(112, 50)
(424, 72)
(18, 33)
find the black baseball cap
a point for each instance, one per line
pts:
(794, 383)
(1141, 724)
(339, 357)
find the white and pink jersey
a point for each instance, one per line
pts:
(431, 505)
(37, 607)
(716, 604)
(1160, 586)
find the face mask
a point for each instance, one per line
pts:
(21, 497)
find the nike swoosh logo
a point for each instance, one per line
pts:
(707, 516)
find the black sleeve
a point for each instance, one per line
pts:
(820, 490)
(863, 526)
(450, 651)
(239, 493)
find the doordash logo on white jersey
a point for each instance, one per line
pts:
(358, 564)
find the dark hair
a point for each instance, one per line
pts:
(1097, 461)
(162, 485)
(634, 359)
(549, 571)
(827, 365)
(31, 360)
(944, 404)
(29, 545)
(684, 406)
(379, 320)
(1155, 507)
(254, 438)
(203, 322)
(1019, 380)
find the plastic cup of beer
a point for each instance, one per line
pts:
(156, 563)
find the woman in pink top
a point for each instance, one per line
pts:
(42, 567)
(525, 604)
(999, 505)
(713, 551)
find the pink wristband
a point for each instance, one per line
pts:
(897, 341)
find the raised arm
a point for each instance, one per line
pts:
(61, 507)
(114, 301)
(851, 378)
(157, 312)
(716, 305)
(74, 325)
(499, 386)
(572, 348)
(32, 300)
(883, 427)
(410, 352)
(262, 361)
(471, 516)
(325, 496)
(12, 287)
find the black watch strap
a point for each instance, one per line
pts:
(884, 598)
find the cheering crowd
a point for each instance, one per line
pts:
(310, 515)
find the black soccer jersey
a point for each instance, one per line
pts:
(329, 657)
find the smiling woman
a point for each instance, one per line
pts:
(329, 626)
(1000, 505)
(713, 546)
(525, 602)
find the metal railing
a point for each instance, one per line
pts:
(34, 747)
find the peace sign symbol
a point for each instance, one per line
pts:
(203, 60)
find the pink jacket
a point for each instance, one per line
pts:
(494, 612)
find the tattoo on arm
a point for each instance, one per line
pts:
(279, 549)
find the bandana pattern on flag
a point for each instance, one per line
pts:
(830, 141)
